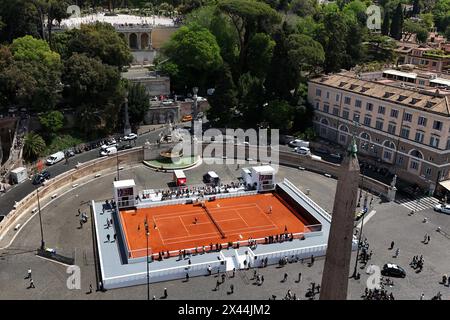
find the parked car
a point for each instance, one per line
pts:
(108, 151)
(186, 118)
(55, 158)
(302, 150)
(69, 153)
(130, 136)
(444, 208)
(299, 143)
(124, 147)
(41, 177)
(393, 270)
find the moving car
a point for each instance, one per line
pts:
(299, 143)
(393, 270)
(302, 150)
(186, 118)
(41, 177)
(55, 158)
(444, 208)
(130, 136)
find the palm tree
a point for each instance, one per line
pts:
(33, 147)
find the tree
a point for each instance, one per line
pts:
(248, 17)
(33, 146)
(138, 102)
(304, 8)
(52, 121)
(305, 55)
(385, 27)
(20, 18)
(397, 23)
(333, 40)
(279, 114)
(260, 51)
(100, 40)
(42, 66)
(95, 90)
(224, 100)
(416, 7)
(195, 52)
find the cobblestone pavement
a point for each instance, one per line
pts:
(61, 231)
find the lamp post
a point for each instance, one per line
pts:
(147, 233)
(194, 109)
(40, 220)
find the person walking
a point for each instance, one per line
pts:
(223, 277)
(29, 274)
(397, 252)
(90, 288)
(32, 284)
(262, 280)
(421, 296)
(209, 269)
(392, 245)
(285, 277)
(299, 277)
(108, 237)
(187, 277)
(165, 293)
(217, 285)
(428, 239)
(231, 289)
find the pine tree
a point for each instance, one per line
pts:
(397, 23)
(386, 23)
(416, 7)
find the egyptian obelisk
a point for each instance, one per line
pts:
(337, 262)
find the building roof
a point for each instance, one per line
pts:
(442, 81)
(124, 183)
(406, 96)
(264, 169)
(401, 73)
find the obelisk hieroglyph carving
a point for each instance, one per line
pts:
(337, 262)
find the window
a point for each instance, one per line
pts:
(414, 165)
(328, 95)
(400, 160)
(434, 141)
(381, 110)
(317, 105)
(369, 106)
(387, 155)
(394, 113)
(392, 128)
(379, 124)
(419, 136)
(337, 98)
(318, 92)
(347, 100)
(345, 114)
(407, 117)
(367, 121)
(422, 121)
(336, 111)
(437, 125)
(434, 64)
(358, 103)
(448, 145)
(422, 82)
(326, 108)
(404, 133)
(356, 117)
(428, 171)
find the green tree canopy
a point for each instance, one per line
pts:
(52, 121)
(138, 102)
(33, 146)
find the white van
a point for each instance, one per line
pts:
(55, 158)
(108, 151)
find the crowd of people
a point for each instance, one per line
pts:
(195, 191)
(417, 263)
(377, 294)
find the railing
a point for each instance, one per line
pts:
(307, 199)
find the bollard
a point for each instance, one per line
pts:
(308, 191)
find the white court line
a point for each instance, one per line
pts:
(184, 226)
(242, 218)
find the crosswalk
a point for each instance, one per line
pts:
(418, 204)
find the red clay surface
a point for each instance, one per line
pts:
(239, 219)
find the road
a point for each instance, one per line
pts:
(20, 191)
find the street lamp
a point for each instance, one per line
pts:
(40, 220)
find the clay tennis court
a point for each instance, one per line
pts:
(184, 226)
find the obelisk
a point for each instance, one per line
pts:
(337, 261)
